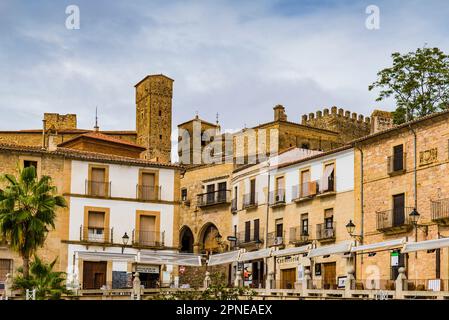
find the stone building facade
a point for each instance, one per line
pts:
(386, 194)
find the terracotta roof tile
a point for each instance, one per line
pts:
(102, 137)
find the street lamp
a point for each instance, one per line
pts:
(350, 228)
(414, 217)
(125, 240)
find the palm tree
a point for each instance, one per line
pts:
(27, 209)
(48, 283)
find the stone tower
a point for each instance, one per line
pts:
(154, 116)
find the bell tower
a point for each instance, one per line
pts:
(154, 116)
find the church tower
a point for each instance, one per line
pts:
(154, 116)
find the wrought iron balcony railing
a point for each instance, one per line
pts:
(396, 164)
(396, 218)
(250, 200)
(148, 193)
(148, 238)
(305, 190)
(325, 231)
(277, 197)
(234, 205)
(250, 236)
(214, 198)
(273, 239)
(98, 188)
(440, 210)
(96, 234)
(298, 235)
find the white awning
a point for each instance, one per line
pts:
(339, 248)
(105, 256)
(223, 258)
(291, 251)
(254, 255)
(170, 258)
(425, 245)
(385, 245)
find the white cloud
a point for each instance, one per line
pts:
(235, 58)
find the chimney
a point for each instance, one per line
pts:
(52, 144)
(279, 113)
(381, 120)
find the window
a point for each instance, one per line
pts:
(396, 162)
(327, 182)
(210, 193)
(29, 163)
(222, 191)
(305, 181)
(329, 218)
(252, 189)
(184, 194)
(97, 182)
(247, 231)
(148, 188)
(279, 228)
(398, 210)
(305, 224)
(279, 196)
(147, 234)
(256, 229)
(160, 137)
(160, 113)
(95, 226)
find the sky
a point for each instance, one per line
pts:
(235, 58)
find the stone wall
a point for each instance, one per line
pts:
(349, 125)
(56, 121)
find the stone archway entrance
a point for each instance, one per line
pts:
(186, 240)
(209, 243)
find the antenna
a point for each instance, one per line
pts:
(217, 118)
(96, 119)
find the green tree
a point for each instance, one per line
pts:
(418, 81)
(27, 210)
(49, 284)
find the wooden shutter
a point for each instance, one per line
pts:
(398, 209)
(247, 231)
(256, 229)
(398, 157)
(96, 220)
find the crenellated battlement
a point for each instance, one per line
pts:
(335, 113)
(349, 125)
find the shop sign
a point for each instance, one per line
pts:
(147, 269)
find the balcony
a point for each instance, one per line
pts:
(100, 189)
(325, 231)
(214, 198)
(395, 220)
(273, 239)
(148, 193)
(304, 191)
(234, 205)
(96, 235)
(326, 190)
(141, 238)
(250, 237)
(277, 198)
(299, 236)
(249, 201)
(396, 164)
(440, 211)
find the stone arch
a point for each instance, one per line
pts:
(186, 240)
(207, 238)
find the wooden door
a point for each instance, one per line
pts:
(288, 278)
(94, 274)
(305, 179)
(147, 234)
(98, 186)
(329, 275)
(398, 210)
(210, 193)
(148, 186)
(252, 197)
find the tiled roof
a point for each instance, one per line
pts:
(73, 131)
(102, 137)
(86, 155)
